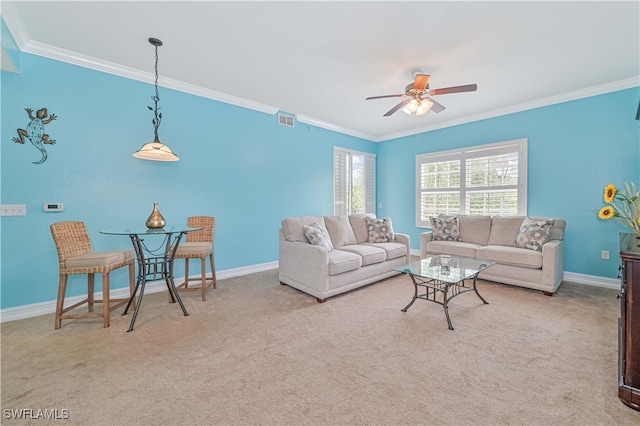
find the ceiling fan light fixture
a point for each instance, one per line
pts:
(424, 107)
(419, 88)
(411, 107)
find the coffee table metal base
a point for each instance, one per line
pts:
(448, 290)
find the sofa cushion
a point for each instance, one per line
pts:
(504, 230)
(534, 233)
(318, 236)
(445, 228)
(380, 230)
(394, 250)
(293, 227)
(369, 253)
(340, 230)
(454, 248)
(513, 256)
(475, 229)
(343, 261)
(359, 225)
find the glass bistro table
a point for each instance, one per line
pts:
(153, 263)
(445, 276)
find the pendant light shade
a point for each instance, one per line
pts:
(156, 150)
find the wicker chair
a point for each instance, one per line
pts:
(76, 256)
(199, 245)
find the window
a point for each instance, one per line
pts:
(354, 182)
(484, 180)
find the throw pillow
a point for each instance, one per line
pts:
(445, 228)
(380, 230)
(534, 233)
(317, 235)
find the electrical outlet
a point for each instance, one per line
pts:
(14, 210)
(604, 254)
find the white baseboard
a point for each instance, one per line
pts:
(593, 280)
(44, 308)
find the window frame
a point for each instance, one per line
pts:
(369, 177)
(462, 154)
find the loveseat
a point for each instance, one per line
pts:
(327, 255)
(528, 251)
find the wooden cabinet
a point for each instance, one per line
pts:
(629, 326)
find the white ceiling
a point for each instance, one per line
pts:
(320, 60)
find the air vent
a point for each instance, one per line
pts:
(286, 120)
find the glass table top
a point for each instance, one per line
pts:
(143, 230)
(460, 268)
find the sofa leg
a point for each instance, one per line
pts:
(281, 283)
(547, 293)
(321, 300)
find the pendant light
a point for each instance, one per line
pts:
(156, 150)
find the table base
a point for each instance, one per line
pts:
(156, 268)
(448, 290)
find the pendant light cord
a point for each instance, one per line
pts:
(158, 117)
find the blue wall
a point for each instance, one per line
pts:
(575, 149)
(236, 164)
(242, 167)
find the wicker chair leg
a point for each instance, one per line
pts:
(62, 288)
(106, 294)
(203, 275)
(132, 284)
(186, 272)
(213, 271)
(91, 279)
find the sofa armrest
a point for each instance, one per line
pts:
(425, 237)
(406, 240)
(304, 263)
(553, 263)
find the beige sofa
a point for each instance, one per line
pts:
(350, 261)
(523, 257)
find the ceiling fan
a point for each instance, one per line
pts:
(418, 95)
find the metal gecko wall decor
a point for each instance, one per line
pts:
(35, 132)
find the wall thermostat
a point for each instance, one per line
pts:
(53, 207)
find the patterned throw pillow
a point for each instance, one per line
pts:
(445, 228)
(534, 233)
(380, 230)
(317, 235)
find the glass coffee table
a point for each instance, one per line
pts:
(444, 275)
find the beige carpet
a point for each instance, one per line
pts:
(257, 352)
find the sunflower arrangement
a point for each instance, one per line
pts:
(627, 210)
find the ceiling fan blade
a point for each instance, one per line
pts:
(455, 89)
(384, 96)
(397, 107)
(436, 107)
(421, 82)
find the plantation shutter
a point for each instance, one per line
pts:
(354, 182)
(340, 182)
(485, 180)
(370, 184)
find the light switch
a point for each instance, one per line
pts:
(14, 210)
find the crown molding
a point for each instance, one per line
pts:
(323, 124)
(537, 103)
(73, 58)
